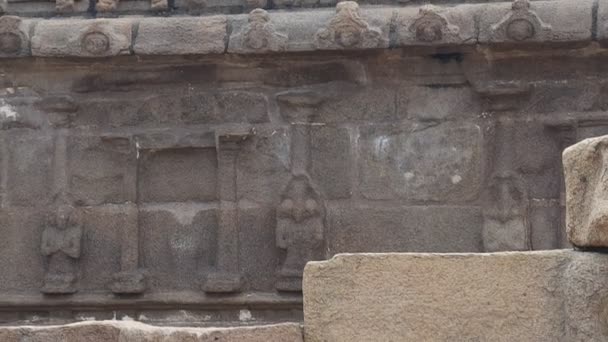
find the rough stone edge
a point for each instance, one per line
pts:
(382, 21)
(122, 329)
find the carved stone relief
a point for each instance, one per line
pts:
(300, 216)
(64, 6)
(226, 276)
(431, 26)
(300, 231)
(130, 279)
(61, 245)
(520, 25)
(349, 30)
(258, 36)
(13, 40)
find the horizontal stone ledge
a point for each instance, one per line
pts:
(118, 331)
(348, 26)
(513, 296)
(170, 300)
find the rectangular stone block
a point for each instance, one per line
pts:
(339, 104)
(439, 103)
(264, 165)
(82, 38)
(384, 228)
(101, 169)
(21, 261)
(178, 175)
(425, 162)
(585, 165)
(331, 160)
(177, 36)
(30, 178)
(517, 296)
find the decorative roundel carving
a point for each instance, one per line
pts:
(429, 31)
(96, 43)
(520, 29)
(10, 43)
(348, 37)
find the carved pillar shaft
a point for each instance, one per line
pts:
(300, 142)
(227, 277)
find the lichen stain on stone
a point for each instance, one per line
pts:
(7, 112)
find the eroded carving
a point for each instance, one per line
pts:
(61, 242)
(506, 225)
(520, 25)
(13, 41)
(159, 5)
(96, 43)
(300, 231)
(64, 6)
(106, 5)
(431, 26)
(348, 30)
(259, 35)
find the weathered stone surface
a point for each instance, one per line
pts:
(116, 331)
(177, 36)
(101, 169)
(423, 162)
(332, 143)
(178, 175)
(363, 229)
(31, 181)
(432, 103)
(586, 210)
(82, 38)
(538, 296)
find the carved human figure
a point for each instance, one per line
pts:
(505, 220)
(61, 242)
(347, 29)
(300, 230)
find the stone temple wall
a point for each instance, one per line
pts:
(176, 168)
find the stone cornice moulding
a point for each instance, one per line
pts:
(349, 26)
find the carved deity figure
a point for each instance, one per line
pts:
(349, 30)
(505, 221)
(300, 229)
(61, 242)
